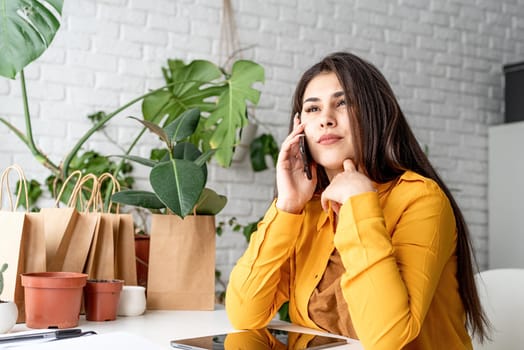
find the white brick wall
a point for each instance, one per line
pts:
(443, 58)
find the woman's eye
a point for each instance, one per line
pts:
(341, 103)
(311, 109)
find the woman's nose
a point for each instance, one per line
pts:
(327, 119)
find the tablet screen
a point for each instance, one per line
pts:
(261, 339)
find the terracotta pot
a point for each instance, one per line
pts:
(53, 299)
(101, 299)
(8, 315)
(142, 258)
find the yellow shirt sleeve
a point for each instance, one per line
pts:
(259, 282)
(390, 280)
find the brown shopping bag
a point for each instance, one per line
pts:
(181, 263)
(125, 262)
(113, 251)
(100, 263)
(23, 241)
(68, 232)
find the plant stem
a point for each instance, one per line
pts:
(42, 158)
(107, 199)
(87, 135)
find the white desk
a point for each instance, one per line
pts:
(160, 327)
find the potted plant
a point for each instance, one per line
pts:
(182, 244)
(8, 309)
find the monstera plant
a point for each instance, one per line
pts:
(27, 28)
(220, 95)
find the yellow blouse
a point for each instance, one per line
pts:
(398, 249)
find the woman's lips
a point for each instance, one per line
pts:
(328, 139)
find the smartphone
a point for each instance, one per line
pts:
(304, 152)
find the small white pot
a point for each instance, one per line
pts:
(132, 301)
(8, 316)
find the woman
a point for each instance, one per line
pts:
(373, 246)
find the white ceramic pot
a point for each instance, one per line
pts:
(132, 301)
(8, 315)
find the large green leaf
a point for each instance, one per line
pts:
(27, 28)
(188, 89)
(188, 151)
(183, 126)
(202, 85)
(210, 202)
(154, 106)
(178, 184)
(230, 114)
(142, 199)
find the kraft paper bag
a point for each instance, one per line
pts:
(181, 263)
(23, 242)
(101, 260)
(125, 262)
(68, 232)
(112, 254)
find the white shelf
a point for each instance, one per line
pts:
(506, 195)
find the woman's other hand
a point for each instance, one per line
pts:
(344, 185)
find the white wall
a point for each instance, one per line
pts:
(443, 58)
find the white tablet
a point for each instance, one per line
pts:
(261, 339)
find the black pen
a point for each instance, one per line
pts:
(52, 335)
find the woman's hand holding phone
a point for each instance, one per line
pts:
(294, 187)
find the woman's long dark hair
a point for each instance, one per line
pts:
(385, 147)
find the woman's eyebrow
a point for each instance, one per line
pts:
(316, 99)
(311, 99)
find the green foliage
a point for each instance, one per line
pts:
(178, 182)
(247, 229)
(92, 162)
(220, 96)
(187, 90)
(158, 154)
(262, 146)
(27, 28)
(34, 191)
(283, 312)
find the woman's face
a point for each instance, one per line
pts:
(328, 131)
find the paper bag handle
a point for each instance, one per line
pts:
(64, 185)
(76, 196)
(116, 187)
(4, 182)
